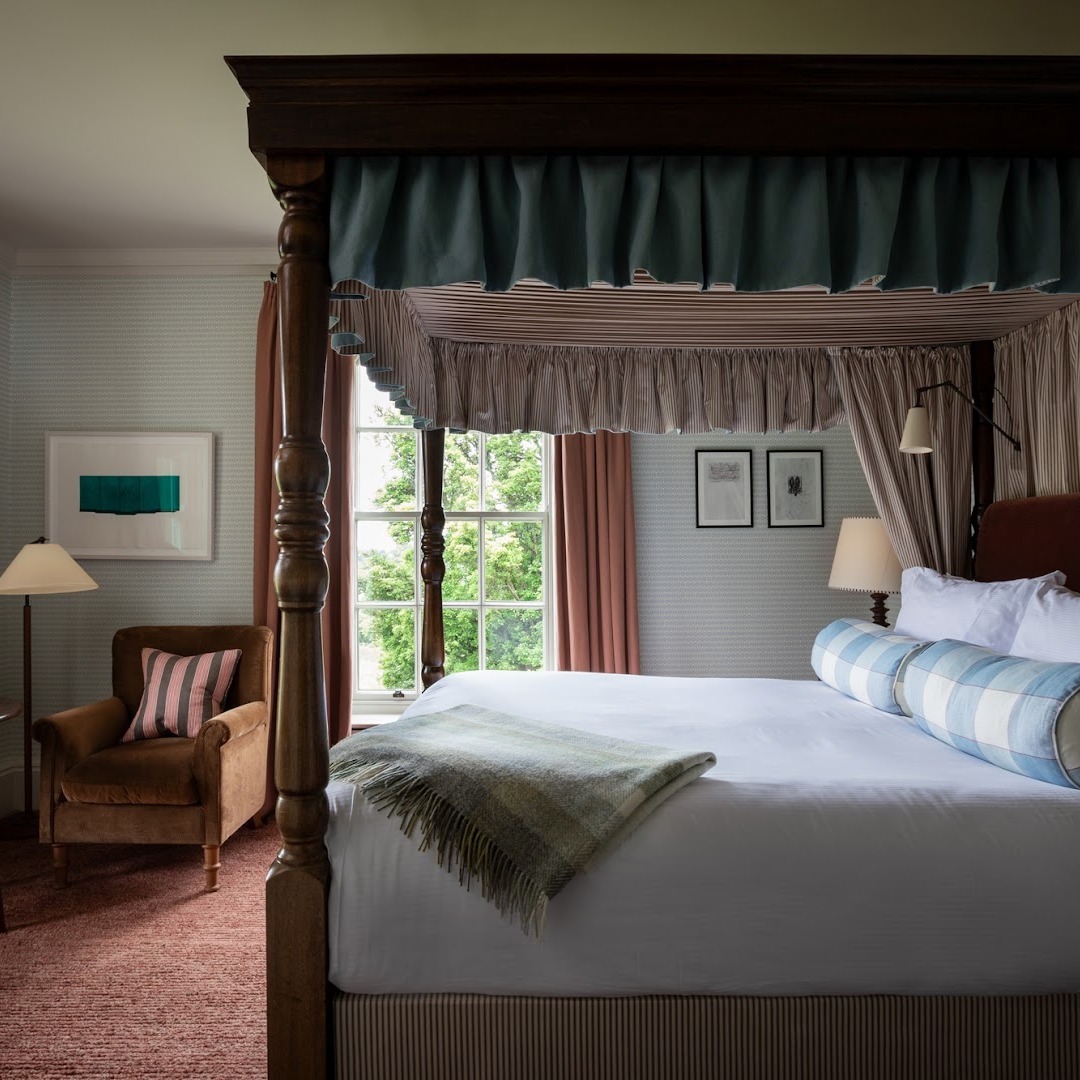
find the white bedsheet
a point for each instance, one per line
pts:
(834, 849)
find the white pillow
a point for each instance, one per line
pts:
(936, 606)
(1050, 628)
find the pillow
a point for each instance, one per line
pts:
(1022, 715)
(861, 660)
(180, 693)
(1050, 628)
(935, 606)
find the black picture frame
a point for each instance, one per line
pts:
(724, 489)
(796, 488)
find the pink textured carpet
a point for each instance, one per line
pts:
(133, 971)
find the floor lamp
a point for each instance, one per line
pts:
(39, 568)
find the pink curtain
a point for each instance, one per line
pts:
(338, 430)
(595, 557)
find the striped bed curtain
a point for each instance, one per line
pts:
(924, 499)
(1037, 370)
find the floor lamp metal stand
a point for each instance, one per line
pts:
(28, 710)
(41, 567)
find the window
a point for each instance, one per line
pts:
(495, 593)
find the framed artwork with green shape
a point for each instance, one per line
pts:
(130, 495)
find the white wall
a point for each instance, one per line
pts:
(123, 354)
(738, 602)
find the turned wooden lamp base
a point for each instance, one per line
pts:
(879, 610)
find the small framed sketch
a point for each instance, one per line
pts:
(130, 495)
(795, 491)
(724, 492)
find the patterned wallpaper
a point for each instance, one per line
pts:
(10, 662)
(125, 354)
(738, 602)
(176, 354)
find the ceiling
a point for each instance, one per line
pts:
(122, 128)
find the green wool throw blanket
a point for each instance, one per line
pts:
(519, 805)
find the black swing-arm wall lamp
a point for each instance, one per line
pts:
(916, 437)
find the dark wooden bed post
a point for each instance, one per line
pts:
(298, 1040)
(982, 437)
(432, 567)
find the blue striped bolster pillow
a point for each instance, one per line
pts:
(1023, 715)
(180, 693)
(861, 660)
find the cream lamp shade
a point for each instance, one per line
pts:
(864, 560)
(44, 568)
(916, 437)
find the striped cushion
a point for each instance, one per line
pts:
(1023, 715)
(861, 660)
(180, 693)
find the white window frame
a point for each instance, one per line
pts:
(372, 705)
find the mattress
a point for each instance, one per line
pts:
(833, 849)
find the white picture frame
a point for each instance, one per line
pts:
(796, 494)
(724, 489)
(95, 508)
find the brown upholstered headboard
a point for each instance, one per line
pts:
(1029, 537)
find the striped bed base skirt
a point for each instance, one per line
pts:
(473, 1037)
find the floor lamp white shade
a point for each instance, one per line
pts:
(39, 568)
(44, 568)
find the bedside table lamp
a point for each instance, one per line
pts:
(39, 568)
(865, 562)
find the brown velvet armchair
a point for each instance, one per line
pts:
(170, 790)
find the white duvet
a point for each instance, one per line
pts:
(834, 849)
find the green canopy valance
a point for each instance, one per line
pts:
(758, 223)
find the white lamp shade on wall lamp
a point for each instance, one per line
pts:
(916, 437)
(864, 561)
(39, 568)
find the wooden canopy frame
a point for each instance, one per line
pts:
(305, 110)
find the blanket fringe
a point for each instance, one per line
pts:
(398, 792)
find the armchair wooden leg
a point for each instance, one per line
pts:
(60, 865)
(211, 864)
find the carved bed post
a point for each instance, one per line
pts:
(298, 1043)
(432, 567)
(982, 437)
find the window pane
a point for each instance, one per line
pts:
(513, 560)
(386, 649)
(386, 471)
(385, 560)
(513, 475)
(375, 409)
(515, 639)
(460, 626)
(461, 473)
(462, 561)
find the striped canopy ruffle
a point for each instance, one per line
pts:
(499, 388)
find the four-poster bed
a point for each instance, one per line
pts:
(304, 113)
